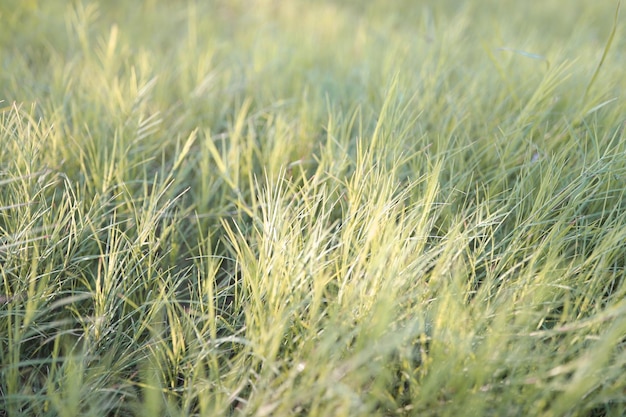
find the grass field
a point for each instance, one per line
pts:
(312, 208)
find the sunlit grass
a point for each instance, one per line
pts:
(334, 208)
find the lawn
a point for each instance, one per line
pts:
(312, 208)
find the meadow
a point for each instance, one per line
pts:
(312, 208)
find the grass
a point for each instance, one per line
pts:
(333, 208)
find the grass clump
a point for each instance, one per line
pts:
(312, 208)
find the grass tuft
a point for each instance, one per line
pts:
(331, 208)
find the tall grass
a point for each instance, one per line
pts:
(330, 208)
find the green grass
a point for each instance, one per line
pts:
(312, 208)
